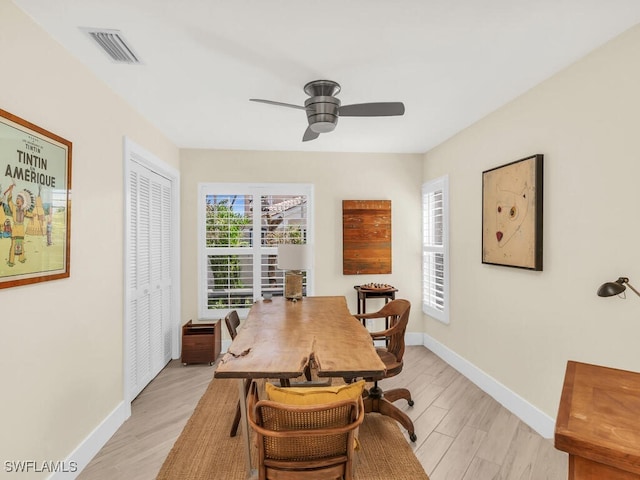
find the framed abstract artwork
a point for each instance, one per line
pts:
(35, 203)
(512, 214)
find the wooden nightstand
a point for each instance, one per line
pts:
(200, 342)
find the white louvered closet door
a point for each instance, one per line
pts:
(149, 325)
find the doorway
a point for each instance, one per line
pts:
(151, 269)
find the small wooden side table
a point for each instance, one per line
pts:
(598, 422)
(364, 293)
(201, 342)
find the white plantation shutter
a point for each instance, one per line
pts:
(435, 249)
(241, 226)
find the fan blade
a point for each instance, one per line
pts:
(380, 109)
(271, 102)
(309, 135)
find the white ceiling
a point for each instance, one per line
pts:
(450, 61)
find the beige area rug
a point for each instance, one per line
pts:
(204, 449)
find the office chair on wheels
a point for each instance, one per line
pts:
(377, 400)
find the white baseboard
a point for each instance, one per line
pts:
(412, 338)
(91, 445)
(528, 413)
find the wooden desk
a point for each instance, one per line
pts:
(598, 422)
(279, 338)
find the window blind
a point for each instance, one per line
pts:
(242, 226)
(435, 249)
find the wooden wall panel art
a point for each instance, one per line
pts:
(366, 237)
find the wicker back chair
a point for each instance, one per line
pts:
(232, 320)
(311, 442)
(377, 400)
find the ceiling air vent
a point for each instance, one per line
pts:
(113, 43)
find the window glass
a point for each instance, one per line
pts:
(237, 266)
(435, 249)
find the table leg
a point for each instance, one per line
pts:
(244, 421)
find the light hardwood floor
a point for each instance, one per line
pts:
(463, 434)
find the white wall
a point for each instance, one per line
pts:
(520, 327)
(61, 341)
(336, 177)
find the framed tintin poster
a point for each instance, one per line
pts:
(35, 203)
(512, 214)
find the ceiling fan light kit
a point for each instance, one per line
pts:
(322, 113)
(323, 108)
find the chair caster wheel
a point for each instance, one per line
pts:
(412, 437)
(410, 403)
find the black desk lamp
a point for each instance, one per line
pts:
(610, 289)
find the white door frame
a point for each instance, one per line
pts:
(135, 153)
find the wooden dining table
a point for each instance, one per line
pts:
(280, 337)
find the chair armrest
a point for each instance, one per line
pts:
(375, 335)
(382, 334)
(363, 316)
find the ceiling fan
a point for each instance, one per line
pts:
(323, 108)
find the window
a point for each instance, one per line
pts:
(241, 226)
(435, 248)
